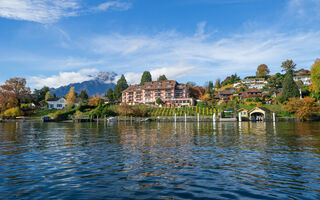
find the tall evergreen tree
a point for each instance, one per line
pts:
(109, 95)
(290, 88)
(210, 87)
(146, 77)
(121, 85)
(83, 95)
(162, 78)
(217, 84)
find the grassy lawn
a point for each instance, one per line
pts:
(38, 114)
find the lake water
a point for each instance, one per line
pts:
(160, 161)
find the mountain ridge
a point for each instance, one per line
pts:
(97, 86)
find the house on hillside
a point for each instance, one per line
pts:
(250, 93)
(302, 75)
(254, 82)
(224, 95)
(56, 103)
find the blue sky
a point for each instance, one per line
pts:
(55, 42)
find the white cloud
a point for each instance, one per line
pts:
(48, 11)
(172, 73)
(210, 57)
(64, 78)
(116, 5)
(43, 11)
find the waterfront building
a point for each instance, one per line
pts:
(259, 114)
(243, 112)
(169, 91)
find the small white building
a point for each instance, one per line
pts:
(56, 103)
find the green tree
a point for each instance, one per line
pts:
(315, 76)
(83, 95)
(109, 95)
(290, 88)
(159, 101)
(146, 77)
(162, 78)
(262, 70)
(210, 87)
(274, 85)
(120, 87)
(217, 84)
(54, 95)
(288, 65)
(39, 95)
(191, 84)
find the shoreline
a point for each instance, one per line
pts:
(140, 119)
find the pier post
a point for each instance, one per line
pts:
(198, 117)
(240, 118)
(175, 117)
(214, 117)
(274, 117)
(185, 117)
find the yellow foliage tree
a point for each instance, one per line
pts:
(303, 108)
(95, 101)
(71, 98)
(315, 76)
(47, 96)
(206, 97)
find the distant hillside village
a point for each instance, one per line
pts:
(293, 93)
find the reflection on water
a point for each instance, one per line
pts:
(160, 160)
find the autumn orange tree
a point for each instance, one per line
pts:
(95, 101)
(13, 93)
(262, 70)
(304, 108)
(196, 92)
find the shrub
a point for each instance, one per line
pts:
(12, 113)
(63, 114)
(109, 113)
(82, 107)
(78, 114)
(304, 108)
